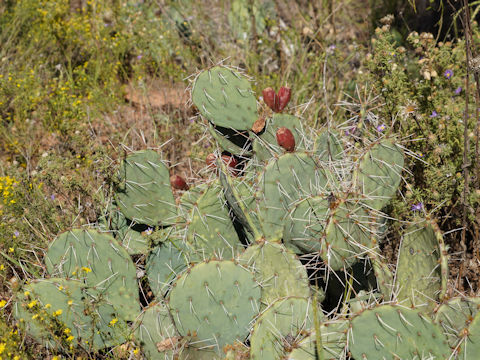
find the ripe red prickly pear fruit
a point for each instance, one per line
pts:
(285, 139)
(178, 182)
(230, 161)
(270, 98)
(211, 158)
(283, 96)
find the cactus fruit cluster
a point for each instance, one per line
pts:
(275, 256)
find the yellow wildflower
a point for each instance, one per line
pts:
(113, 322)
(2, 303)
(2, 347)
(70, 338)
(58, 312)
(86, 269)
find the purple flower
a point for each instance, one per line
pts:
(350, 131)
(458, 90)
(139, 56)
(448, 73)
(434, 114)
(417, 206)
(16, 233)
(380, 128)
(52, 197)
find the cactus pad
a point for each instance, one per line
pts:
(165, 262)
(154, 326)
(144, 194)
(334, 341)
(347, 235)
(211, 230)
(379, 173)
(64, 312)
(455, 315)
(101, 263)
(286, 180)
(215, 302)
(279, 326)
(278, 271)
(419, 267)
(265, 145)
(305, 225)
(328, 146)
(225, 98)
(395, 332)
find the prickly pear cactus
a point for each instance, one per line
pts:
(305, 224)
(455, 315)
(214, 302)
(166, 262)
(470, 340)
(62, 313)
(144, 194)
(379, 173)
(280, 327)
(265, 144)
(285, 181)
(396, 332)
(328, 146)
(225, 98)
(348, 235)
(278, 271)
(211, 231)
(334, 342)
(101, 263)
(156, 333)
(116, 223)
(422, 269)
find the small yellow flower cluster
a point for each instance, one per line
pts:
(7, 185)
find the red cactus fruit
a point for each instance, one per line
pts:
(285, 139)
(178, 182)
(230, 161)
(270, 98)
(283, 96)
(211, 158)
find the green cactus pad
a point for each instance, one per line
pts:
(334, 341)
(265, 145)
(419, 267)
(395, 332)
(165, 262)
(144, 194)
(470, 340)
(154, 326)
(347, 235)
(211, 230)
(190, 198)
(383, 274)
(328, 146)
(305, 225)
(280, 325)
(379, 173)
(278, 271)
(133, 241)
(239, 193)
(456, 315)
(101, 263)
(225, 98)
(53, 310)
(215, 302)
(285, 181)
